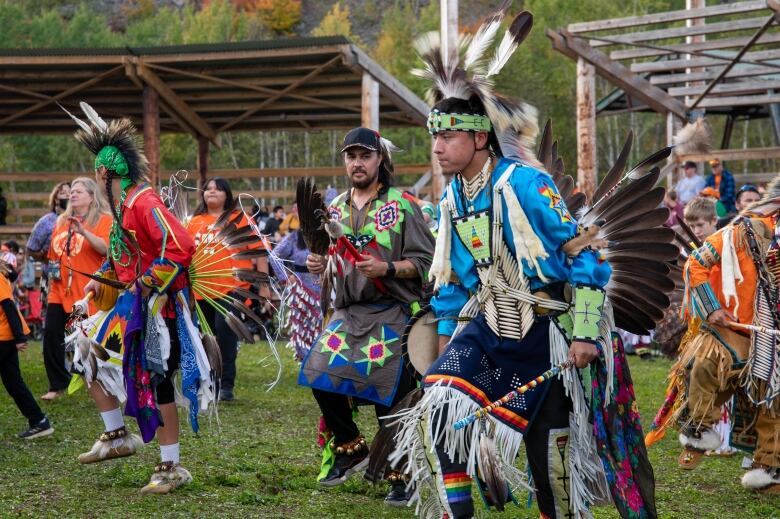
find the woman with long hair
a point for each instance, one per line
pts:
(78, 244)
(40, 236)
(216, 200)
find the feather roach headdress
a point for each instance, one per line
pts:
(116, 147)
(465, 74)
(115, 144)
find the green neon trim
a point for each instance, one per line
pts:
(439, 122)
(588, 303)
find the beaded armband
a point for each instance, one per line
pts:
(704, 300)
(588, 304)
(706, 255)
(161, 274)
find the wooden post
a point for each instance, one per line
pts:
(449, 43)
(369, 103)
(151, 119)
(693, 22)
(449, 26)
(203, 161)
(586, 127)
(672, 127)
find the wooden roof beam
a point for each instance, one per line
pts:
(665, 17)
(75, 89)
(617, 73)
(650, 51)
(769, 21)
(256, 88)
(734, 154)
(737, 72)
(178, 108)
(390, 87)
(734, 87)
(281, 93)
(749, 58)
(740, 100)
(681, 32)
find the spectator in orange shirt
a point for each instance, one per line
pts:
(217, 199)
(290, 222)
(13, 339)
(78, 244)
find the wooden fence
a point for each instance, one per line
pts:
(27, 193)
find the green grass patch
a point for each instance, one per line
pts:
(260, 459)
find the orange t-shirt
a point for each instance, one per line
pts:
(200, 228)
(6, 292)
(70, 287)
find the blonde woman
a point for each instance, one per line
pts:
(78, 244)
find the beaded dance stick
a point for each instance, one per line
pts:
(547, 375)
(753, 328)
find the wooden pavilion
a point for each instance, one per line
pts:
(720, 59)
(203, 90)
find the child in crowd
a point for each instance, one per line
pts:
(701, 216)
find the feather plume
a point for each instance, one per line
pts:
(616, 171)
(632, 264)
(389, 146)
(650, 219)
(688, 232)
(106, 281)
(654, 251)
(84, 126)
(448, 80)
(250, 275)
(227, 218)
(93, 117)
(100, 352)
(238, 237)
(250, 254)
(632, 202)
(245, 294)
(239, 328)
(484, 36)
(244, 241)
(515, 35)
(313, 215)
(693, 138)
(658, 234)
(384, 441)
(489, 465)
(213, 353)
(545, 153)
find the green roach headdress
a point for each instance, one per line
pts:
(115, 145)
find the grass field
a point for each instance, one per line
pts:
(261, 461)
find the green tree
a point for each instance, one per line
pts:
(219, 21)
(279, 15)
(337, 22)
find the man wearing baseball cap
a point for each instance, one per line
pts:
(690, 184)
(358, 356)
(722, 180)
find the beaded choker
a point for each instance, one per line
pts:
(471, 188)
